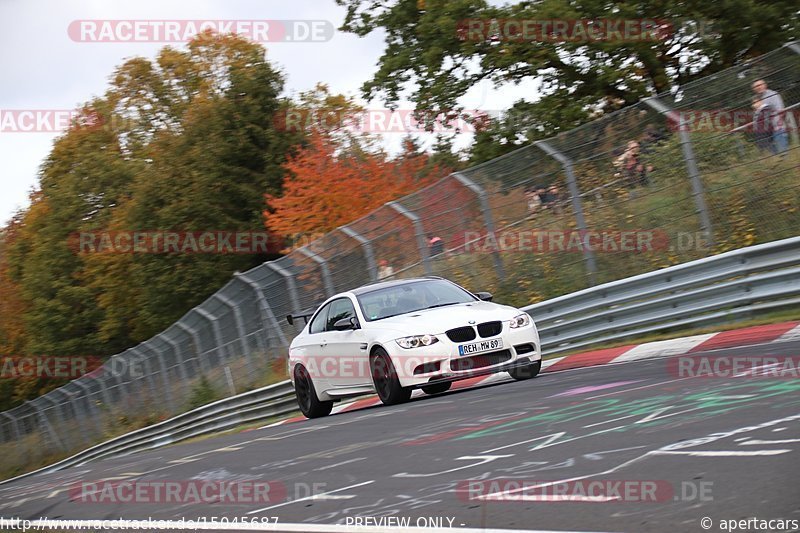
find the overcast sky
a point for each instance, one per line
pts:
(44, 69)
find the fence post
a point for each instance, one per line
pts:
(691, 165)
(178, 355)
(148, 372)
(577, 206)
(123, 377)
(92, 408)
(488, 220)
(14, 427)
(104, 390)
(323, 266)
(197, 344)
(237, 315)
(289, 277)
(164, 374)
(263, 305)
(217, 333)
(422, 241)
(369, 253)
(79, 414)
(45, 422)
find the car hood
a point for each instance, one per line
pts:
(440, 319)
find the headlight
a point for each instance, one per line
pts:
(520, 321)
(415, 341)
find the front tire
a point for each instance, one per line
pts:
(306, 395)
(384, 377)
(528, 371)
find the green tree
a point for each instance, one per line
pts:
(428, 54)
(185, 142)
(208, 173)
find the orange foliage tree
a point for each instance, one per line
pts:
(326, 189)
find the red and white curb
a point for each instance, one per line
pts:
(783, 332)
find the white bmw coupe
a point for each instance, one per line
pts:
(396, 336)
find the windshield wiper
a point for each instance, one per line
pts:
(443, 305)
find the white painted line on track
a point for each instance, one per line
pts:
(312, 497)
(609, 421)
(287, 527)
(756, 441)
(551, 498)
(720, 453)
(339, 464)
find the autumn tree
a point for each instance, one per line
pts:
(327, 188)
(209, 172)
(184, 142)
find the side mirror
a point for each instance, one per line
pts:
(290, 319)
(343, 324)
(485, 296)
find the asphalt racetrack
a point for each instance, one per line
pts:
(664, 451)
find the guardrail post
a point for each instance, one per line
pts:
(323, 266)
(289, 277)
(369, 253)
(197, 344)
(217, 332)
(577, 206)
(422, 242)
(164, 374)
(691, 164)
(263, 305)
(488, 220)
(237, 315)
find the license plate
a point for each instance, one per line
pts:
(478, 347)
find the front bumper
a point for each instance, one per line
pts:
(441, 361)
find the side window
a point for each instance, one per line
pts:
(341, 308)
(318, 324)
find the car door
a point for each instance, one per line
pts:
(346, 351)
(311, 351)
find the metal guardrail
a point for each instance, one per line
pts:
(690, 294)
(247, 408)
(704, 181)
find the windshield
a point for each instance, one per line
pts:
(410, 297)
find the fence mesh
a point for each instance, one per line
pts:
(673, 178)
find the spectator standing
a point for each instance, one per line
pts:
(634, 171)
(435, 245)
(555, 199)
(762, 124)
(779, 136)
(385, 270)
(533, 200)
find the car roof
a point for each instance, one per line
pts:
(386, 284)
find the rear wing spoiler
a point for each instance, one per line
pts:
(305, 315)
